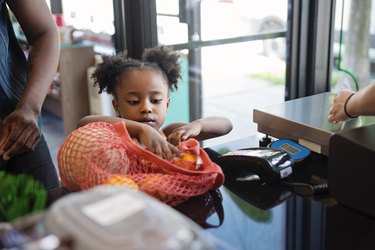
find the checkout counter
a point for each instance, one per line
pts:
(349, 146)
(342, 156)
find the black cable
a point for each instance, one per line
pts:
(305, 189)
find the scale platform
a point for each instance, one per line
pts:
(304, 120)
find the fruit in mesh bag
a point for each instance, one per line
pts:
(93, 154)
(151, 185)
(90, 155)
(172, 189)
(188, 161)
(121, 181)
(190, 158)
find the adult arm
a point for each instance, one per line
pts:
(21, 127)
(201, 129)
(360, 103)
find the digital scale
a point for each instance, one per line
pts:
(305, 121)
(295, 150)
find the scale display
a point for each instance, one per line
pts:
(295, 150)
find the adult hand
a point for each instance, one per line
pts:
(185, 132)
(158, 145)
(337, 111)
(20, 133)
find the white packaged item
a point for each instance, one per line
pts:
(116, 217)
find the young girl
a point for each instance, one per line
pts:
(140, 90)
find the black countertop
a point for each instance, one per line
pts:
(251, 215)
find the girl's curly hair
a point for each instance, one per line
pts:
(161, 59)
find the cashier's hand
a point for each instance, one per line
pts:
(19, 133)
(336, 112)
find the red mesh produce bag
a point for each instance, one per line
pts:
(98, 151)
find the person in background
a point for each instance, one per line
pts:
(140, 90)
(24, 83)
(349, 104)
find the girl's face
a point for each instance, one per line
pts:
(142, 96)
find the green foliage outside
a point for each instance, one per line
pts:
(279, 78)
(274, 78)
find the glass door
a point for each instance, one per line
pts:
(234, 56)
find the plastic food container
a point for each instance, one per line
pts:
(116, 217)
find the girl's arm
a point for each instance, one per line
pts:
(147, 135)
(201, 129)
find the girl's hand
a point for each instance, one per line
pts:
(337, 112)
(158, 145)
(190, 130)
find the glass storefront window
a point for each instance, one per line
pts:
(224, 19)
(354, 45)
(171, 30)
(234, 61)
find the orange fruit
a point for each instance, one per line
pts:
(121, 180)
(189, 161)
